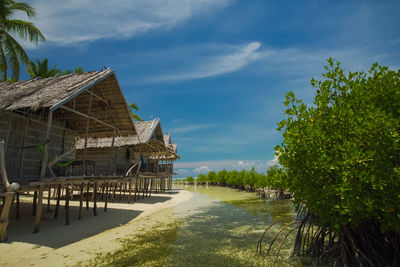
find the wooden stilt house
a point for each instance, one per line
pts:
(141, 150)
(166, 161)
(40, 121)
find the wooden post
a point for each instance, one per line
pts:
(115, 189)
(121, 185)
(38, 209)
(95, 199)
(136, 189)
(17, 216)
(130, 191)
(46, 146)
(112, 154)
(34, 203)
(48, 198)
(8, 199)
(105, 203)
(87, 134)
(58, 200)
(67, 195)
(80, 201)
(87, 196)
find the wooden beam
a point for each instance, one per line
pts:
(46, 146)
(86, 116)
(87, 135)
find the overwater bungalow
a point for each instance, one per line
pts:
(40, 121)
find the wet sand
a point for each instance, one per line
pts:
(59, 245)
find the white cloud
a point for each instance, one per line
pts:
(237, 58)
(217, 165)
(202, 169)
(74, 21)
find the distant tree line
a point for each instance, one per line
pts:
(274, 178)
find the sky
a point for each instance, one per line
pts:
(216, 71)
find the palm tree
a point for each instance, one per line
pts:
(41, 69)
(78, 70)
(11, 52)
(135, 107)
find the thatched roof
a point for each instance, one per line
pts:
(73, 92)
(147, 131)
(171, 150)
(167, 139)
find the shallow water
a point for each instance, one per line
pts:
(221, 226)
(217, 227)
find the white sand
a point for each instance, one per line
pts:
(58, 245)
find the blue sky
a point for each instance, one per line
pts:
(216, 71)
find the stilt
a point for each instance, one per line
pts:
(144, 187)
(38, 209)
(130, 191)
(80, 201)
(87, 196)
(17, 216)
(95, 199)
(8, 199)
(34, 203)
(67, 196)
(120, 191)
(136, 187)
(48, 198)
(115, 189)
(58, 201)
(105, 203)
(102, 191)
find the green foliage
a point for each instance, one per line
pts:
(212, 177)
(202, 178)
(41, 69)
(77, 70)
(189, 179)
(148, 248)
(341, 155)
(11, 52)
(133, 108)
(275, 177)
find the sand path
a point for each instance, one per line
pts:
(60, 245)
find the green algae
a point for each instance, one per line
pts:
(217, 227)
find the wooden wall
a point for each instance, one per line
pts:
(101, 157)
(21, 131)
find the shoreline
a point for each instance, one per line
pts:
(60, 245)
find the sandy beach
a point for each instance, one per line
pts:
(58, 245)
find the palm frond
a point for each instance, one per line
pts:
(134, 106)
(136, 117)
(11, 54)
(25, 30)
(19, 49)
(24, 7)
(41, 69)
(3, 64)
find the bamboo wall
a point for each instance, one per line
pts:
(21, 131)
(101, 156)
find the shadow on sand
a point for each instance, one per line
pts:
(55, 234)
